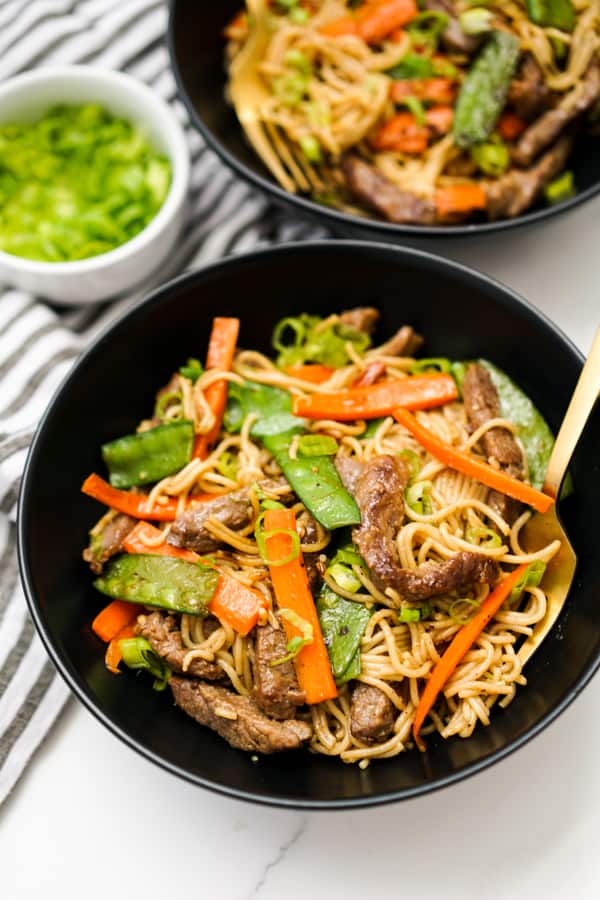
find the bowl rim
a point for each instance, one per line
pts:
(434, 262)
(161, 112)
(338, 220)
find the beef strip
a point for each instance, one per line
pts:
(349, 470)
(482, 403)
(310, 535)
(163, 634)
(379, 193)
(548, 126)
(529, 95)
(362, 318)
(237, 719)
(109, 542)
(276, 688)
(371, 714)
(516, 191)
(379, 492)
(405, 342)
(233, 509)
(371, 374)
(453, 37)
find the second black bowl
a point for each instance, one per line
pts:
(196, 46)
(462, 315)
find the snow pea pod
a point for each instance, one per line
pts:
(343, 624)
(483, 92)
(552, 14)
(149, 455)
(161, 581)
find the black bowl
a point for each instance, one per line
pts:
(462, 314)
(196, 47)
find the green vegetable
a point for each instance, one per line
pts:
(463, 618)
(492, 157)
(303, 339)
(311, 148)
(149, 455)
(418, 497)
(414, 462)
(298, 15)
(228, 464)
(476, 20)
(483, 92)
(272, 405)
(290, 88)
(164, 401)
(298, 60)
(412, 65)
(553, 14)
(317, 445)
(316, 482)
(434, 364)
(343, 623)
(531, 577)
(427, 28)
(161, 581)
(75, 183)
(372, 428)
(296, 643)
(344, 577)
(138, 654)
(193, 369)
(409, 614)
(491, 538)
(416, 107)
(263, 536)
(348, 555)
(561, 188)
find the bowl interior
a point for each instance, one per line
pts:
(197, 52)
(462, 315)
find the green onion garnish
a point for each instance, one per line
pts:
(138, 654)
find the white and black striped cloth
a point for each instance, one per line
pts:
(38, 343)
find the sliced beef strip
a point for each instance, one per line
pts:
(548, 126)
(233, 509)
(237, 719)
(516, 191)
(349, 470)
(482, 403)
(371, 374)
(362, 318)
(371, 714)
(310, 535)
(109, 542)
(276, 688)
(379, 193)
(529, 95)
(453, 37)
(405, 342)
(163, 634)
(379, 492)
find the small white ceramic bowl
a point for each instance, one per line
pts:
(26, 98)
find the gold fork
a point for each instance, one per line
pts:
(248, 92)
(544, 528)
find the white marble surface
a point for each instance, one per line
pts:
(92, 820)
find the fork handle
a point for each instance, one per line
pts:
(581, 405)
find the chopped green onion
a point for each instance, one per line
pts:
(559, 48)
(427, 27)
(492, 157)
(271, 504)
(228, 464)
(287, 4)
(416, 107)
(138, 654)
(296, 643)
(490, 537)
(349, 556)
(476, 20)
(412, 65)
(290, 89)
(414, 461)
(344, 577)
(560, 189)
(317, 445)
(418, 498)
(298, 60)
(531, 577)
(372, 428)
(434, 364)
(298, 15)
(458, 370)
(263, 536)
(317, 113)
(164, 401)
(303, 339)
(459, 619)
(425, 610)
(193, 369)
(311, 148)
(409, 614)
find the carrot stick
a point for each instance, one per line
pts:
(474, 468)
(432, 90)
(340, 27)
(456, 199)
(221, 349)
(135, 505)
(233, 603)
(114, 617)
(461, 643)
(113, 656)
(510, 126)
(315, 373)
(403, 134)
(290, 584)
(379, 18)
(381, 399)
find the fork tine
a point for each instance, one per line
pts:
(309, 170)
(257, 137)
(283, 151)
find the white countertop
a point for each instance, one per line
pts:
(91, 819)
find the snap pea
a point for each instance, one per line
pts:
(149, 455)
(552, 13)
(343, 624)
(161, 581)
(483, 92)
(271, 405)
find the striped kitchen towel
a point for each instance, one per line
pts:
(38, 342)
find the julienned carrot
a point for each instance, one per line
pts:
(381, 399)
(221, 350)
(461, 643)
(379, 18)
(134, 505)
(234, 603)
(459, 198)
(474, 468)
(403, 134)
(290, 584)
(510, 126)
(113, 655)
(315, 373)
(340, 27)
(113, 618)
(432, 90)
